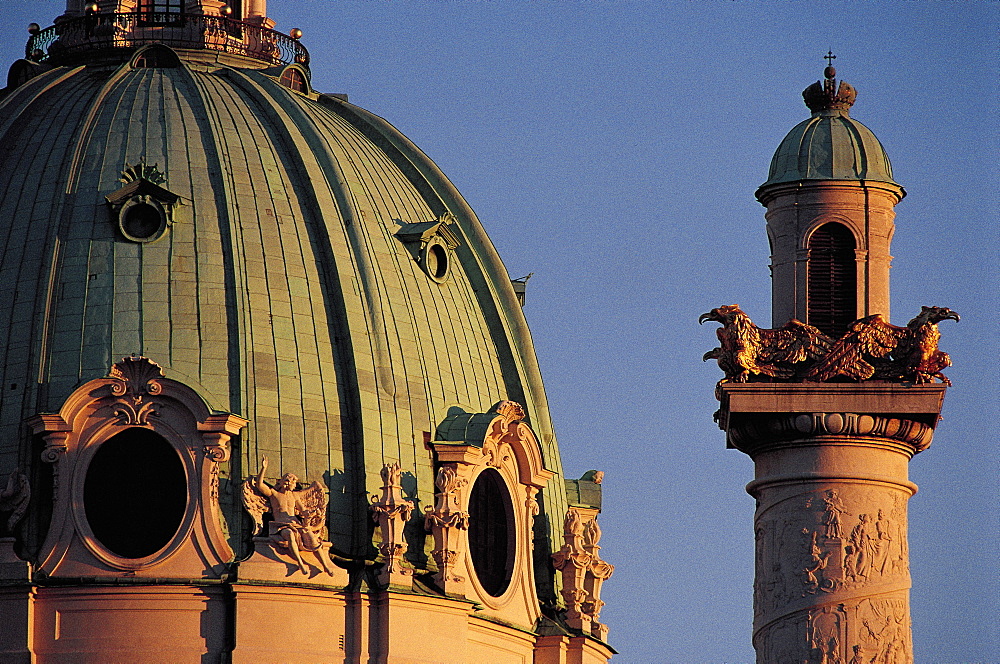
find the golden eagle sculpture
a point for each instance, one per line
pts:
(746, 350)
(872, 348)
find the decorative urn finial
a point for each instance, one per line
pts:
(826, 96)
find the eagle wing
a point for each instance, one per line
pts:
(868, 338)
(793, 342)
(255, 504)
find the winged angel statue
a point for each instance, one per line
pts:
(297, 516)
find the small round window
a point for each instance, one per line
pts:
(142, 221)
(436, 260)
(135, 493)
(491, 532)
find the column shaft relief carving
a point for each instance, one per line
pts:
(832, 576)
(391, 511)
(447, 522)
(583, 571)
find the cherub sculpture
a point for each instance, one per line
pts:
(14, 498)
(297, 516)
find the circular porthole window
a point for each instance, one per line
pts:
(436, 260)
(142, 220)
(135, 493)
(491, 532)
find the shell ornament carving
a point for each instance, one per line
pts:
(135, 380)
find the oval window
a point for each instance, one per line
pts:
(491, 532)
(141, 221)
(135, 493)
(436, 261)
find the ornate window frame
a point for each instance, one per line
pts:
(432, 244)
(135, 394)
(468, 444)
(142, 188)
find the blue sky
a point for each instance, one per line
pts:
(613, 148)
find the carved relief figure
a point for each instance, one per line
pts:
(297, 516)
(14, 498)
(816, 561)
(861, 545)
(833, 510)
(825, 636)
(884, 632)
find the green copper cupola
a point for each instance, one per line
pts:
(829, 145)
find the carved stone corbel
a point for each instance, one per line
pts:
(391, 511)
(598, 572)
(446, 521)
(573, 561)
(216, 432)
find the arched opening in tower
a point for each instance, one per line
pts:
(832, 279)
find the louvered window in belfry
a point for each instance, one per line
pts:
(832, 279)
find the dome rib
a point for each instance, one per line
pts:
(830, 145)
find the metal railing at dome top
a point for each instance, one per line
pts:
(125, 31)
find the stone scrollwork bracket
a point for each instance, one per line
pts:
(391, 511)
(447, 521)
(583, 571)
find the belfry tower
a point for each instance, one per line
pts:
(833, 402)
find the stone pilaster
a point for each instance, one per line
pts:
(832, 563)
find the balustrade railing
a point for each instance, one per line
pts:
(94, 33)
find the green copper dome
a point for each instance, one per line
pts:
(830, 145)
(289, 255)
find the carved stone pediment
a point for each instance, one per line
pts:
(114, 423)
(425, 231)
(142, 210)
(432, 244)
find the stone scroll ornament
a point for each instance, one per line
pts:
(446, 520)
(871, 349)
(573, 561)
(298, 517)
(391, 511)
(14, 499)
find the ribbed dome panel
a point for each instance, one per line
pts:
(830, 146)
(281, 291)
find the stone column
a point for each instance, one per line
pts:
(832, 564)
